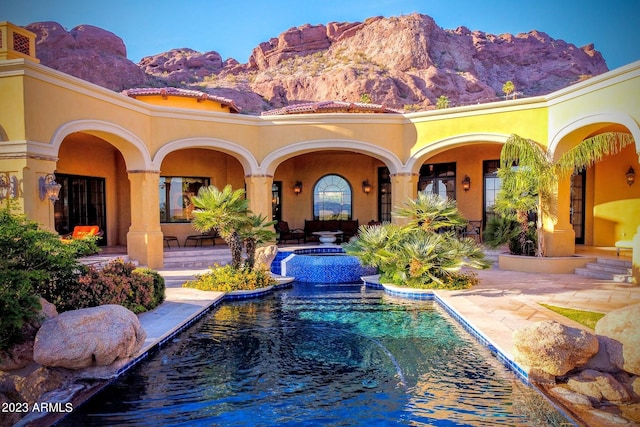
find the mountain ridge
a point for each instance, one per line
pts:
(404, 62)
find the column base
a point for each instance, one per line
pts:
(146, 248)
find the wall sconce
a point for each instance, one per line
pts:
(297, 187)
(631, 176)
(8, 186)
(49, 188)
(466, 183)
(366, 187)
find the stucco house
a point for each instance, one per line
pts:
(129, 161)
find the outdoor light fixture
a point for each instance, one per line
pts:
(8, 186)
(631, 176)
(49, 188)
(366, 187)
(297, 188)
(466, 183)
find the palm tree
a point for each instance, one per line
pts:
(431, 213)
(536, 174)
(442, 102)
(508, 88)
(226, 211)
(256, 230)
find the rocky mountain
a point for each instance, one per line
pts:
(404, 62)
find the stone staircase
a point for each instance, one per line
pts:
(607, 269)
(196, 259)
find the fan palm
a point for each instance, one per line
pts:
(226, 211)
(255, 231)
(431, 213)
(420, 253)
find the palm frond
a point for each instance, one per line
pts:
(591, 151)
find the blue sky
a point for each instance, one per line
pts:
(234, 28)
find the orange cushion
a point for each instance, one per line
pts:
(81, 231)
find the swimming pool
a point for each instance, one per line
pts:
(320, 355)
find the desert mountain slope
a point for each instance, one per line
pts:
(404, 62)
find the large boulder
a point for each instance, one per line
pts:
(551, 348)
(622, 337)
(599, 386)
(96, 336)
(265, 256)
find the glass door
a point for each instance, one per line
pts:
(82, 201)
(578, 188)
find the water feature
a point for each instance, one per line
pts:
(320, 355)
(324, 265)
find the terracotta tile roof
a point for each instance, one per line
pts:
(330, 107)
(174, 91)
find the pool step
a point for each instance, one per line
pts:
(607, 269)
(196, 258)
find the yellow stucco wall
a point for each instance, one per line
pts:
(616, 205)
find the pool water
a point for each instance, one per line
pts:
(340, 355)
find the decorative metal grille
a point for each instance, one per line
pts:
(21, 43)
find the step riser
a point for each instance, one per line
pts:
(607, 269)
(616, 262)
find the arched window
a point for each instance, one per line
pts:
(331, 198)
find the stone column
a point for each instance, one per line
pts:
(404, 186)
(144, 239)
(259, 194)
(560, 238)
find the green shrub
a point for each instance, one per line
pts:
(35, 262)
(228, 278)
(120, 283)
(18, 305)
(158, 285)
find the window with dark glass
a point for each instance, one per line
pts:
(384, 195)
(332, 198)
(175, 197)
(438, 178)
(276, 207)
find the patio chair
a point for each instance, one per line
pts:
(199, 238)
(285, 233)
(473, 230)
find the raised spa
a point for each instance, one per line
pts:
(324, 265)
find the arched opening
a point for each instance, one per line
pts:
(308, 169)
(95, 188)
(182, 173)
(602, 207)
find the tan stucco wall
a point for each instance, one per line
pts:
(309, 168)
